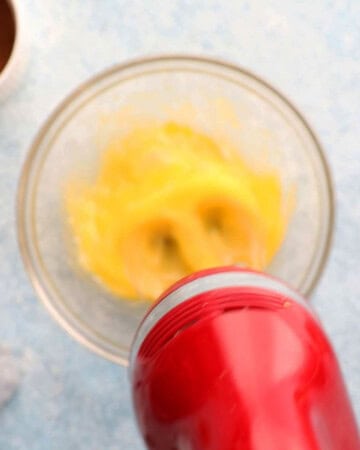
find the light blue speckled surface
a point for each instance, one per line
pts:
(70, 398)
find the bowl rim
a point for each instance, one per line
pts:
(82, 87)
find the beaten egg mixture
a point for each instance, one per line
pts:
(167, 201)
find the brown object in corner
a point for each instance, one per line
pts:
(7, 32)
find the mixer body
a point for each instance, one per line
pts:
(235, 360)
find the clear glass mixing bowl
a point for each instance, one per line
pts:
(193, 90)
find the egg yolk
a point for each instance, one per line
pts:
(167, 201)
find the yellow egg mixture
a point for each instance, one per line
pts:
(168, 201)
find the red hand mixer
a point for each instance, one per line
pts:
(229, 359)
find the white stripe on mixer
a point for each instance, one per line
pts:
(205, 284)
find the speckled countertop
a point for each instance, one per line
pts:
(70, 398)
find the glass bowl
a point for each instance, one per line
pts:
(216, 97)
